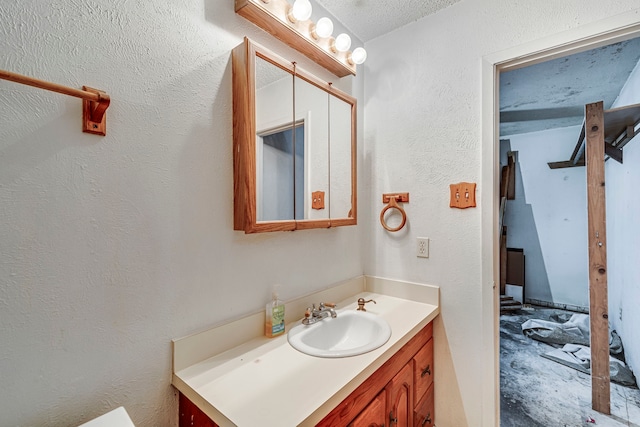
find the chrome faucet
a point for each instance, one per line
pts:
(313, 314)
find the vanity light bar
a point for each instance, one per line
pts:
(277, 17)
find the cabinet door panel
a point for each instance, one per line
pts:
(374, 415)
(424, 415)
(400, 398)
(357, 401)
(423, 370)
(191, 415)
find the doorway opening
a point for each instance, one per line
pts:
(614, 30)
(544, 234)
(281, 173)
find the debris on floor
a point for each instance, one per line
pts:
(538, 392)
(508, 304)
(528, 307)
(579, 357)
(574, 330)
(573, 333)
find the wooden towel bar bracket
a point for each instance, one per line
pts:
(94, 105)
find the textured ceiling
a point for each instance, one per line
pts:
(544, 96)
(368, 19)
(552, 94)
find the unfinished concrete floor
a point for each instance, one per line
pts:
(537, 392)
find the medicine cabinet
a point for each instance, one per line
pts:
(294, 146)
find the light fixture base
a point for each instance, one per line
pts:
(272, 17)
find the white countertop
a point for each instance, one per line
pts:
(265, 381)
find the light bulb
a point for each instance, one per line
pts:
(324, 27)
(301, 10)
(359, 55)
(343, 42)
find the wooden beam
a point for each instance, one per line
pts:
(511, 176)
(598, 301)
(504, 181)
(503, 261)
(564, 164)
(619, 123)
(578, 151)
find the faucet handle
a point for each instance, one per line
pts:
(308, 317)
(362, 302)
(328, 304)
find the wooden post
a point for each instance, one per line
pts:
(598, 301)
(503, 261)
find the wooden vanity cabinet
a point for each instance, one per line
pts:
(403, 387)
(400, 398)
(392, 406)
(375, 414)
(398, 394)
(423, 415)
(423, 385)
(192, 416)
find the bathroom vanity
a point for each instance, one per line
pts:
(231, 375)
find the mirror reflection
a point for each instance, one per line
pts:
(312, 110)
(341, 158)
(276, 170)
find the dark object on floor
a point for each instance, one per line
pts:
(508, 305)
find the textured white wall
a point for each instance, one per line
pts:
(623, 235)
(430, 72)
(112, 246)
(557, 201)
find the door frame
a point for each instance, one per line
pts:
(607, 31)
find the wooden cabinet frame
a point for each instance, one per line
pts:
(244, 137)
(359, 399)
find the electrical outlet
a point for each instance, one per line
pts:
(422, 247)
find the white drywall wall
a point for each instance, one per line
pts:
(112, 246)
(548, 218)
(423, 96)
(623, 235)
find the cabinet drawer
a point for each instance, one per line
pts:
(424, 414)
(423, 370)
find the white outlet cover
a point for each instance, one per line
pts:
(422, 247)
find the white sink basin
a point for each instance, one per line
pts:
(351, 333)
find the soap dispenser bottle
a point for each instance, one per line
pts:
(274, 316)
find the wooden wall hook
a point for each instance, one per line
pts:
(94, 118)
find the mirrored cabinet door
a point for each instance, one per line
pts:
(285, 146)
(312, 150)
(275, 143)
(342, 157)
